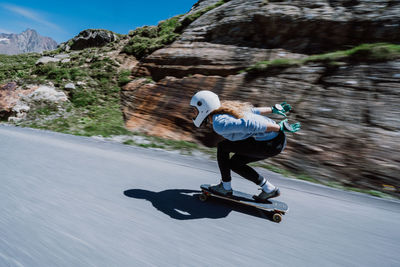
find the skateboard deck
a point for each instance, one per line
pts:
(277, 207)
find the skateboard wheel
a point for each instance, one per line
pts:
(203, 197)
(277, 217)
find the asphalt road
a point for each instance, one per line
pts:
(75, 201)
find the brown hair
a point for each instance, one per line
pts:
(235, 108)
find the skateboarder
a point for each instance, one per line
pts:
(248, 134)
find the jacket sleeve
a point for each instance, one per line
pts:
(256, 111)
(226, 124)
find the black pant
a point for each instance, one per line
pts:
(246, 151)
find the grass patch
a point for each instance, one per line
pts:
(378, 52)
(46, 110)
(184, 147)
(84, 121)
(152, 145)
(58, 73)
(16, 67)
(129, 142)
(177, 144)
(374, 52)
(83, 98)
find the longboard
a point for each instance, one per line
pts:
(277, 207)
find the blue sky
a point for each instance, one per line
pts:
(62, 20)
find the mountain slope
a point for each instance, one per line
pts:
(25, 42)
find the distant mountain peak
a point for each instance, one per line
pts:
(26, 42)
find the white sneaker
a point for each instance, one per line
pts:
(264, 196)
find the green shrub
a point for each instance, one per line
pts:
(46, 110)
(168, 26)
(52, 72)
(44, 69)
(139, 46)
(83, 98)
(101, 74)
(146, 31)
(147, 39)
(192, 17)
(58, 74)
(76, 73)
(124, 77)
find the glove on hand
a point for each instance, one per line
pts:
(286, 127)
(281, 109)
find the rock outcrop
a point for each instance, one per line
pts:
(349, 110)
(64, 58)
(25, 42)
(10, 94)
(15, 102)
(89, 38)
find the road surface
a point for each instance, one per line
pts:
(76, 201)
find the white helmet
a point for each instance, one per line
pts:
(205, 102)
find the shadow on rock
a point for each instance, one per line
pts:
(184, 204)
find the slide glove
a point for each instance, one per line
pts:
(281, 109)
(286, 127)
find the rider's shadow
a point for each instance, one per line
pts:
(184, 204)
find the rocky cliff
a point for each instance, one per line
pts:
(348, 105)
(25, 42)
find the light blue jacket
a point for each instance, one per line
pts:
(252, 125)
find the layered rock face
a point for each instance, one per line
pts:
(25, 42)
(349, 111)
